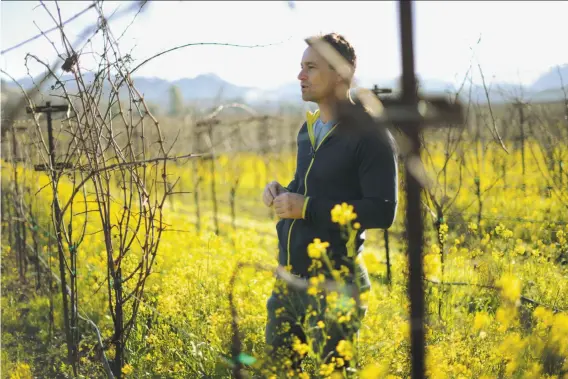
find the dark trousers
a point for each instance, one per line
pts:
(296, 313)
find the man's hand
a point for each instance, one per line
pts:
(272, 190)
(289, 205)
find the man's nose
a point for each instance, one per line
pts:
(302, 75)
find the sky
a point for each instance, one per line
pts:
(512, 41)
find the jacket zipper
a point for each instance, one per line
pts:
(313, 154)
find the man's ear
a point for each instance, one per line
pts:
(340, 80)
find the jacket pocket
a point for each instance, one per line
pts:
(304, 233)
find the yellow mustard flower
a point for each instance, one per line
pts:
(345, 349)
(317, 248)
(510, 287)
(127, 369)
(343, 214)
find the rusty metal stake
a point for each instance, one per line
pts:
(414, 223)
(49, 109)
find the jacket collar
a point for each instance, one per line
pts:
(311, 118)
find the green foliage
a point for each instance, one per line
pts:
(176, 101)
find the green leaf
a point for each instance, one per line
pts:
(246, 359)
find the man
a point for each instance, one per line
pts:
(339, 160)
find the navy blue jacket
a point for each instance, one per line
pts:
(356, 164)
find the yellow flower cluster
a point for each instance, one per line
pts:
(343, 214)
(317, 248)
(345, 349)
(339, 362)
(21, 371)
(544, 316)
(374, 371)
(432, 266)
(127, 369)
(510, 288)
(443, 232)
(502, 231)
(510, 349)
(481, 320)
(326, 369)
(506, 316)
(299, 347)
(314, 282)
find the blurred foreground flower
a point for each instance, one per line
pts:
(510, 288)
(342, 214)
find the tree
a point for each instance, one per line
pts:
(176, 101)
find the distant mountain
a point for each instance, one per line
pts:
(209, 86)
(551, 79)
(206, 89)
(155, 90)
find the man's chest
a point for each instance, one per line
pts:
(330, 167)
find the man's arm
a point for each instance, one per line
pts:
(378, 178)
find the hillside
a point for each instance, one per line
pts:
(207, 89)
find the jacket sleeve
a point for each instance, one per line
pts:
(293, 186)
(378, 178)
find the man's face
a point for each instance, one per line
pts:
(317, 79)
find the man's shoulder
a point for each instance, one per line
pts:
(372, 136)
(361, 127)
